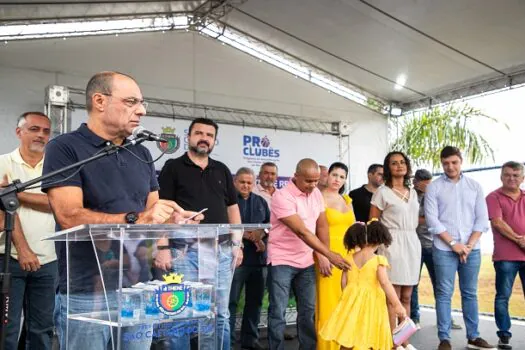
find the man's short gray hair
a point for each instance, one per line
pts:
(245, 170)
(101, 83)
(513, 165)
(22, 119)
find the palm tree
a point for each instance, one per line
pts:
(422, 135)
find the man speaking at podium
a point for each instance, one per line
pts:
(117, 189)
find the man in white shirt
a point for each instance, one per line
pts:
(266, 186)
(33, 265)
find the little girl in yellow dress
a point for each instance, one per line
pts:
(360, 320)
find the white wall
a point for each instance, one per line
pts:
(183, 67)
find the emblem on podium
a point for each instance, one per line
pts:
(172, 297)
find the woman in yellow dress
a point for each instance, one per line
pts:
(340, 217)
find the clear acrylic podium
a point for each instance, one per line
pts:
(116, 299)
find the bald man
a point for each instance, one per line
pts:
(299, 228)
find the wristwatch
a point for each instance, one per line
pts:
(131, 217)
(452, 243)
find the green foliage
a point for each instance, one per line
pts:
(422, 135)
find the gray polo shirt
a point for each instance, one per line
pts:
(422, 230)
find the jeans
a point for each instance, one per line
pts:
(253, 278)
(506, 272)
(280, 279)
(201, 265)
(80, 335)
(35, 290)
(426, 258)
(446, 264)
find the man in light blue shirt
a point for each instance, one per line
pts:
(456, 214)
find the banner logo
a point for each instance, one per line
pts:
(173, 297)
(173, 143)
(255, 146)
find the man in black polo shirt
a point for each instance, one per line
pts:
(121, 188)
(362, 196)
(196, 181)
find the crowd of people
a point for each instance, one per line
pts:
(352, 262)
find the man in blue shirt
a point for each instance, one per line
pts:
(117, 189)
(252, 272)
(456, 214)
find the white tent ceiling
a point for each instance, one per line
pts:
(446, 49)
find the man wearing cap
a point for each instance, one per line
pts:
(421, 180)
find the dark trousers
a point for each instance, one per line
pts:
(280, 279)
(506, 272)
(426, 258)
(252, 279)
(36, 292)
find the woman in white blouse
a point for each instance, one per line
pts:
(396, 205)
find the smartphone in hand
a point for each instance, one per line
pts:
(193, 216)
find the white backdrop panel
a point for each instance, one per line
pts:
(242, 146)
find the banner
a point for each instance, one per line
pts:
(238, 146)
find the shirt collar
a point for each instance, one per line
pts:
(446, 178)
(187, 160)
(500, 191)
(93, 138)
(295, 190)
(262, 189)
(241, 197)
(17, 158)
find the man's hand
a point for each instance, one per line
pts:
(254, 236)
(325, 267)
(463, 251)
(521, 242)
(237, 256)
(159, 213)
(163, 260)
(338, 261)
(249, 235)
(28, 260)
(460, 249)
(4, 182)
(261, 247)
(186, 217)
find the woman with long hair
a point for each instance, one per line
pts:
(340, 216)
(395, 204)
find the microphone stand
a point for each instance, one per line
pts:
(9, 203)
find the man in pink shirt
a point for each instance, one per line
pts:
(299, 227)
(506, 208)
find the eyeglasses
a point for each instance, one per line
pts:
(131, 102)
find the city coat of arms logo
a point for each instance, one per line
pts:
(173, 143)
(172, 298)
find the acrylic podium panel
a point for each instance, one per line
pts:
(116, 299)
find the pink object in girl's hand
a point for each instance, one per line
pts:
(403, 331)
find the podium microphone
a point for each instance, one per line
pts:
(140, 132)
